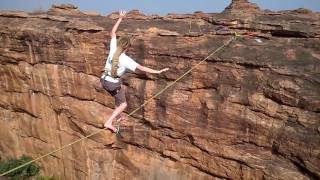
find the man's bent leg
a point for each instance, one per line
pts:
(115, 113)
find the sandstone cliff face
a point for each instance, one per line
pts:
(250, 112)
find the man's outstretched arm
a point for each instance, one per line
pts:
(122, 14)
(149, 70)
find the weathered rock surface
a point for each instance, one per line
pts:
(250, 112)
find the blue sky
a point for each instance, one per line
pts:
(161, 7)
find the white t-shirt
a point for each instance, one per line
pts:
(125, 62)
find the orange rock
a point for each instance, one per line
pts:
(250, 112)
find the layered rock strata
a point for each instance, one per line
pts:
(250, 112)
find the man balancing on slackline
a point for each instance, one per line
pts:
(116, 65)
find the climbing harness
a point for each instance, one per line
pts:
(131, 113)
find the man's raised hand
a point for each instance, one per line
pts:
(122, 14)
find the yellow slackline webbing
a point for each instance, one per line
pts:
(157, 94)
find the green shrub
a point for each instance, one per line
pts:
(29, 170)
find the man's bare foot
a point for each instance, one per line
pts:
(109, 126)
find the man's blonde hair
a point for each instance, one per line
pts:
(123, 43)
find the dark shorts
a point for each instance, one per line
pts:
(115, 90)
